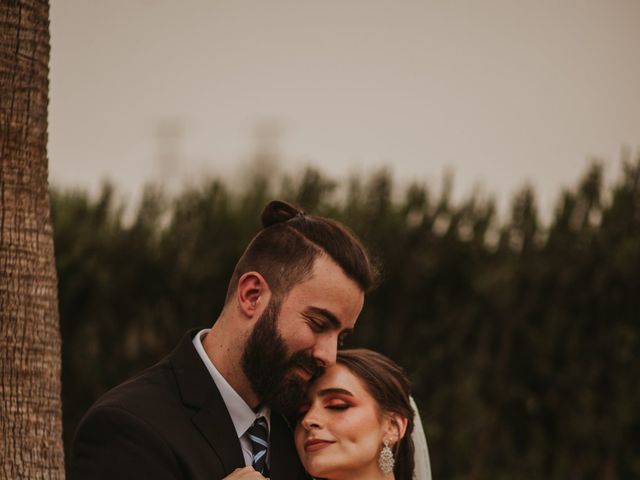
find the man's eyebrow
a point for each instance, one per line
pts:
(332, 391)
(323, 312)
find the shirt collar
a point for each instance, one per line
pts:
(242, 415)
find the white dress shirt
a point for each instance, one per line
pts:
(241, 414)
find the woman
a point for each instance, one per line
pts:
(358, 422)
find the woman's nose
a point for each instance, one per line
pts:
(310, 420)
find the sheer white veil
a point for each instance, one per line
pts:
(422, 470)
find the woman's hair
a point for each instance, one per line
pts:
(390, 388)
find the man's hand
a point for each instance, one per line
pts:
(246, 473)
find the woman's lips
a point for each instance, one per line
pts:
(316, 444)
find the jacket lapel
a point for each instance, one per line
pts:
(216, 426)
(199, 392)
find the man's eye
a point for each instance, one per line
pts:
(316, 325)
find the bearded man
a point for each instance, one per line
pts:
(217, 402)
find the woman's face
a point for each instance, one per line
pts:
(342, 430)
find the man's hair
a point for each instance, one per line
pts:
(290, 241)
(390, 388)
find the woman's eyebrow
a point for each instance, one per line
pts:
(331, 391)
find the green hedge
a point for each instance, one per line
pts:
(522, 339)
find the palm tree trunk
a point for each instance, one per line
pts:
(30, 406)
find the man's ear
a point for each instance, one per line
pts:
(396, 428)
(253, 294)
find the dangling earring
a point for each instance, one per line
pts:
(385, 460)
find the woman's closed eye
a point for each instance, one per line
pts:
(337, 405)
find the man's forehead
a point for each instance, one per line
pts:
(328, 280)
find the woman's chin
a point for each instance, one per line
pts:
(318, 468)
(326, 468)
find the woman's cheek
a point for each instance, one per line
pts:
(297, 437)
(352, 424)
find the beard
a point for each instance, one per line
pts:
(269, 366)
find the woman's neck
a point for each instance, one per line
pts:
(369, 473)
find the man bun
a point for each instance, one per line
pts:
(278, 211)
(285, 250)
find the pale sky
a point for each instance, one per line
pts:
(498, 91)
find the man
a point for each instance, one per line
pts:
(214, 404)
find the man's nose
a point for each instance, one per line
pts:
(326, 350)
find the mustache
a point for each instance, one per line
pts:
(306, 361)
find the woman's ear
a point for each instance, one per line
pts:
(253, 294)
(396, 428)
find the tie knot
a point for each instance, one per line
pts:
(259, 436)
(259, 424)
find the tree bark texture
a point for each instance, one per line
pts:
(30, 405)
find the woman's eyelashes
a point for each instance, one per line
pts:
(337, 405)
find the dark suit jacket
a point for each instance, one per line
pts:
(170, 422)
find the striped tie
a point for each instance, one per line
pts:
(259, 436)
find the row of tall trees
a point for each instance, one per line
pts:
(522, 339)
